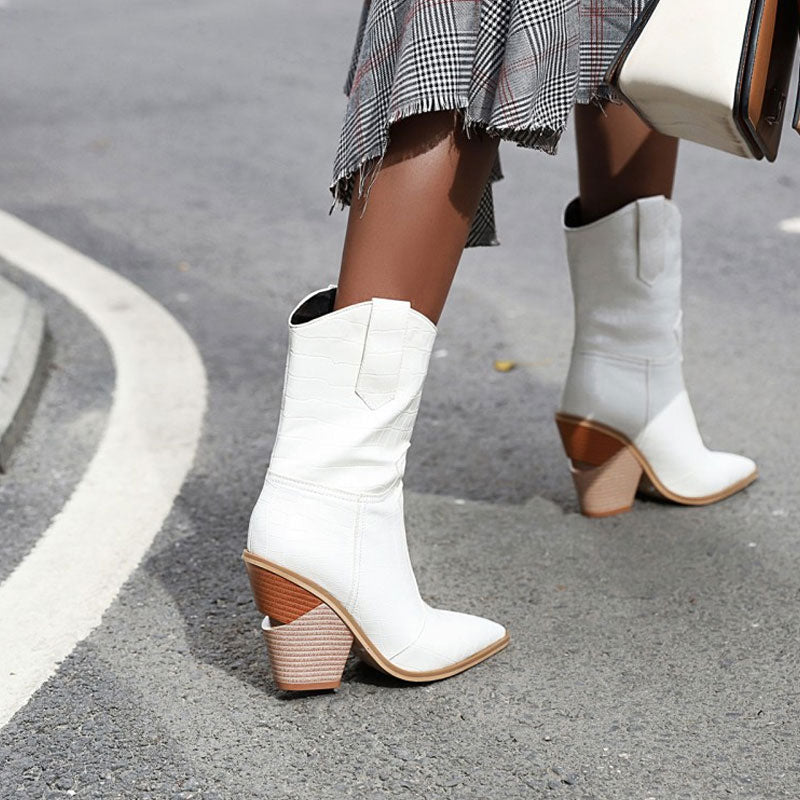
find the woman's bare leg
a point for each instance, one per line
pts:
(620, 159)
(408, 242)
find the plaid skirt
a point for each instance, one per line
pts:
(513, 68)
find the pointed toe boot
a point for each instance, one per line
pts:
(326, 552)
(625, 418)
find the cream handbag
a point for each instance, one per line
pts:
(716, 72)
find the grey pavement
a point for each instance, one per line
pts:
(188, 145)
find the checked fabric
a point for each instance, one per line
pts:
(511, 67)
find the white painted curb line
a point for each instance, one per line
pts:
(59, 592)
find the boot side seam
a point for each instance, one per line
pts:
(301, 486)
(357, 550)
(642, 361)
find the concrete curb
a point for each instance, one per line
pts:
(23, 357)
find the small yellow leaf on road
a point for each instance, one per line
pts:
(504, 366)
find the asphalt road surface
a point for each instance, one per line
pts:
(187, 146)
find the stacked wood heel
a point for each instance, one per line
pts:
(306, 641)
(605, 470)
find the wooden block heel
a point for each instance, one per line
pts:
(307, 642)
(605, 470)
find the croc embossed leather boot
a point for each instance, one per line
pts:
(326, 551)
(625, 418)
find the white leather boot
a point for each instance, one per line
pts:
(625, 418)
(326, 551)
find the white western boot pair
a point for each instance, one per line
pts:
(326, 551)
(625, 417)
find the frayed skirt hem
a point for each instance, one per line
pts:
(360, 173)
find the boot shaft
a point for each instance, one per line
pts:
(352, 388)
(625, 271)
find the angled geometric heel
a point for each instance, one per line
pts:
(309, 653)
(307, 643)
(605, 471)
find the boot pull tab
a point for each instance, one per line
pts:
(379, 372)
(652, 239)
